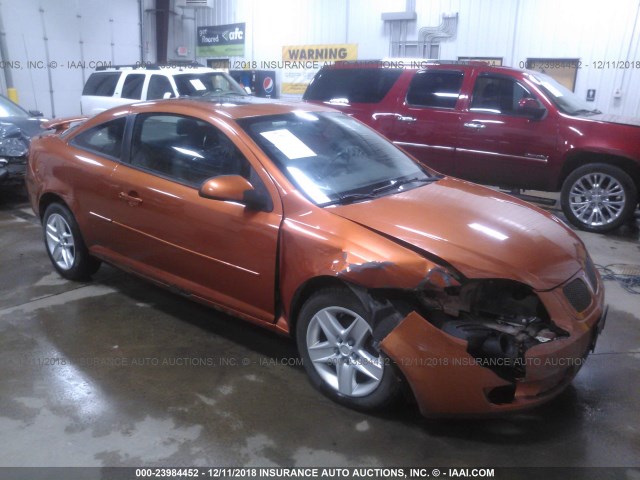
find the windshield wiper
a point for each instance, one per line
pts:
(398, 183)
(584, 111)
(349, 198)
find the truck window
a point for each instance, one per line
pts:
(498, 94)
(158, 86)
(356, 85)
(435, 88)
(132, 87)
(101, 84)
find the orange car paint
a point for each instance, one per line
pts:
(254, 264)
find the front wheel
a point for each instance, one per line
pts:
(65, 246)
(598, 197)
(335, 341)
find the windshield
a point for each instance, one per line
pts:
(333, 158)
(567, 101)
(210, 83)
(10, 109)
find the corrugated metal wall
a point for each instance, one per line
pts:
(48, 41)
(514, 30)
(600, 34)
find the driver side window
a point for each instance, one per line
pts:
(185, 149)
(159, 85)
(497, 94)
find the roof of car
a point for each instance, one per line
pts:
(410, 64)
(234, 107)
(162, 69)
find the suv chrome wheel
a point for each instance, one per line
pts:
(60, 241)
(597, 199)
(339, 345)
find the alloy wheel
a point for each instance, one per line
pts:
(339, 343)
(60, 241)
(597, 199)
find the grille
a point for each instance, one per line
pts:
(578, 294)
(591, 274)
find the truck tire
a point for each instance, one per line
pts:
(598, 197)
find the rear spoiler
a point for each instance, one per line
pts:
(61, 124)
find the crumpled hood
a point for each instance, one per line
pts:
(480, 232)
(602, 117)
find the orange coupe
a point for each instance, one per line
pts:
(305, 221)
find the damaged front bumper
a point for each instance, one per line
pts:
(12, 171)
(14, 148)
(447, 380)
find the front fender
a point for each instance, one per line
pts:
(346, 251)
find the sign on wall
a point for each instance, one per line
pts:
(320, 53)
(493, 61)
(221, 40)
(563, 70)
(301, 62)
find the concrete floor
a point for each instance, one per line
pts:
(226, 396)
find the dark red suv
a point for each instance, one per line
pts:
(499, 126)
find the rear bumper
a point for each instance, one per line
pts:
(446, 380)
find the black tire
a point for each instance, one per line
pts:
(598, 197)
(384, 392)
(60, 225)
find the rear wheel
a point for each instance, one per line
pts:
(335, 341)
(598, 197)
(65, 246)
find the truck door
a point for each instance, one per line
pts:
(427, 120)
(502, 141)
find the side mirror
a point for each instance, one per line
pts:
(233, 188)
(248, 90)
(531, 107)
(36, 113)
(167, 95)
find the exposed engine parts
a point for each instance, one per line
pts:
(499, 319)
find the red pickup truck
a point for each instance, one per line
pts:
(498, 126)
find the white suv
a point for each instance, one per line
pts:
(119, 85)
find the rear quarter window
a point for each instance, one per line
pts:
(104, 139)
(358, 85)
(101, 84)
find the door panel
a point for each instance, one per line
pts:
(218, 250)
(426, 124)
(498, 144)
(95, 156)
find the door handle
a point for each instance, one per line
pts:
(474, 125)
(406, 119)
(131, 198)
